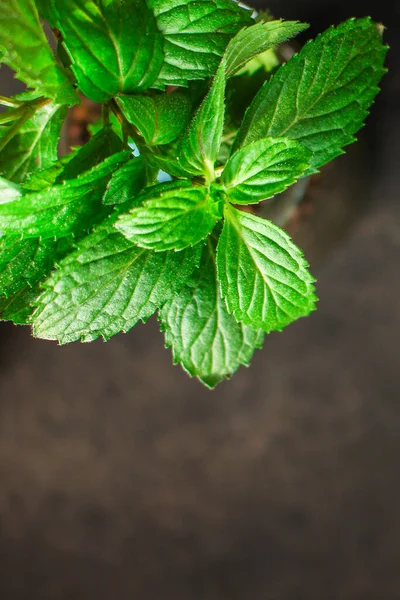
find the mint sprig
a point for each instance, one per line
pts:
(149, 214)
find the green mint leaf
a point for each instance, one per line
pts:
(175, 219)
(24, 48)
(45, 178)
(263, 169)
(208, 341)
(263, 275)
(47, 11)
(126, 183)
(75, 204)
(202, 140)
(114, 46)
(106, 286)
(160, 119)
(25, 262)
(100, 147)
(34, 145)
(322, 95)
(195, 36)
(166, 158)
(258, 38)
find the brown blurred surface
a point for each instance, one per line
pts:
(121, 478)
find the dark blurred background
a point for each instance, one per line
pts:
(121, 478)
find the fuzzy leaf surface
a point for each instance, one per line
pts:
(202, 140)
(263, 169)
(253, 40)
(195, 36)
(206, 340)
(322, 95)
(24, 48)
(175, 219)
(106, 286)
(114, 46)
(62, 208)
(160, 119)
(263, 274)
(34, 146)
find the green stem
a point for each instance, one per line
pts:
(29, 109)
(106, 115)
(12, 115)
(9, 102)
(127, 127)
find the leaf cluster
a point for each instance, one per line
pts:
(156, 211)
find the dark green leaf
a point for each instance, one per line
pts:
(196, 34)
(114, 46)
(160, 119)
(175, 219)
(61, 209)
(34, 146)
(201, 142)
(205, 338)
(106, 286)
(47, 11)
(258, 38)
(263, 169)
(101, 146)
(25, 49)
(322, 95)
(25, 262)
(263, 275)
(126, 183)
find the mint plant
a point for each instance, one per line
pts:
(155, 213)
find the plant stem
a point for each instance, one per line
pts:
(10, 102)
(106, 114)
(29, 109)
(127, 127)
(12, 115)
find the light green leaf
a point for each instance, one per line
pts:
(160, 119)
(263, 169)
(251, 41)
(202, 140)
(263, 275)
(106, 286)
(126, 183)
(34, 146)
(25, 49)
(9, 191)
(322, 95)
(208, 341)
(114, 46)
(62, 208)
(174, 219)
(195, 36)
